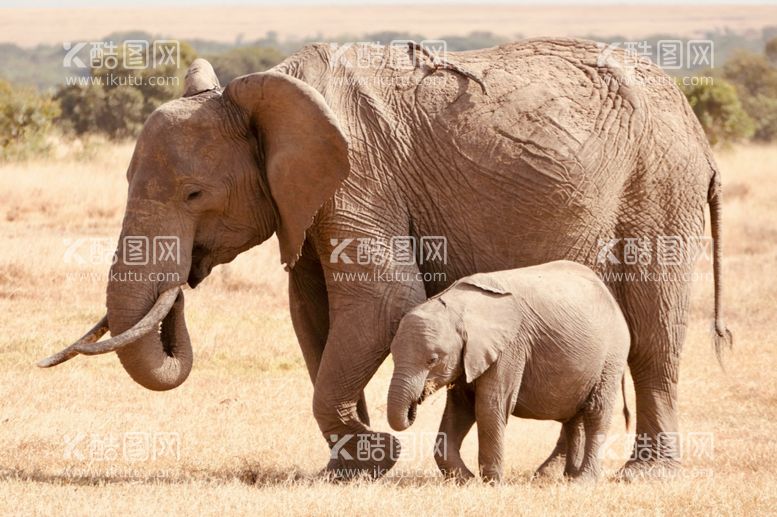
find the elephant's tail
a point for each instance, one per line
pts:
(626, 412)
(722, 337)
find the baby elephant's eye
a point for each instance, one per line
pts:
(433, 359)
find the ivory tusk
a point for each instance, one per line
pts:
(88, 344)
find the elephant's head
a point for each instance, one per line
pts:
(462, 330)
(213, 174)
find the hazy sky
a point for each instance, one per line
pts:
(104, 3)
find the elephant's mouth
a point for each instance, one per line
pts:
(201, 266)
(430, 387)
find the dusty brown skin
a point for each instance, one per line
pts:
(552, 152)
(547, 342)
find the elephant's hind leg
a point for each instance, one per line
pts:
(595, 416)
(657, 313)
(574, 437)
(555, 464)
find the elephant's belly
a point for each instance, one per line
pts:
(549, 395)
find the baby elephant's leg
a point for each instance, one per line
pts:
(574, 437)
(596, 420)
(457, 420)
(491, 416)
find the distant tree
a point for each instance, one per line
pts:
(770, 49)
(245, 60)
(81, 108)
(157, 84)
(25, 118)
(473, 40)
(755, 79)
(752, 73)
(123, 115)
(763, 110)
(118, 100)
(719, 110)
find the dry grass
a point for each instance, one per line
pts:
(30, 26)
(248, 441)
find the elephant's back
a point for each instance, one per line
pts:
(571, 308)
(552, 129)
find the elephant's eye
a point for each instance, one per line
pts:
(433, 359)
(196, 194)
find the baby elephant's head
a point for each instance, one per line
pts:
(427, 355)
(461, 332)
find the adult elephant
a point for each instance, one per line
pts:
(517, 155)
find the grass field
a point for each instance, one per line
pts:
(239, 436)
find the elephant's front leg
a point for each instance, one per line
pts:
(309, 307)
(492, 408)
(363, 318)
(491, 430)
(457, 420)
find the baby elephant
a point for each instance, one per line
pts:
(547, 342)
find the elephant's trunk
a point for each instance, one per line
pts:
(406, 389)
(160, 360)
(145, 307)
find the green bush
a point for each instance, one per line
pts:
(116, 101)
(719, 110)
(771, 50)
(763, 110)
(25, 118)
(241, 61)
(755, 79)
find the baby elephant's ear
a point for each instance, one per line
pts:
(488, 324)
(485, 282)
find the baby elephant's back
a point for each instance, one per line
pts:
(571, 327)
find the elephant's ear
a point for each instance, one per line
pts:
(488, 324)
(200, 77)
(305, 151)
(485, 282)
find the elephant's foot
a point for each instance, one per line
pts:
(652, 458)
(457, 472)
(552, 467)
(363, 455)
(491, 477)
(582, 476)
(635, 470)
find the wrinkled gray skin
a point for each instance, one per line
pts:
(546, 342)
(559, 153)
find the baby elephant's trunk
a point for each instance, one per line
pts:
(404, 392)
